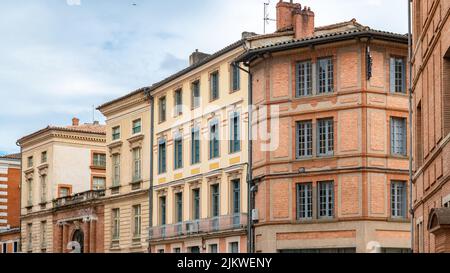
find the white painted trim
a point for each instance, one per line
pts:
(4, 214)
(3, 186)
(3, 179)
(4, 207)
(3, 193)
(3, 200)
(230, 240)
(3, 221)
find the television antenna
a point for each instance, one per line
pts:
(267, 19)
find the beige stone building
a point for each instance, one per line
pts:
(336, 177)
(128, 172)
(57, 162)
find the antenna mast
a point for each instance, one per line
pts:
(266, 16)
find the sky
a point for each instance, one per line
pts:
(59, 58)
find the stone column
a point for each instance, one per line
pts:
(87, 236)
(93, 236)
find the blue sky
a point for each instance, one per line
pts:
(58, 59)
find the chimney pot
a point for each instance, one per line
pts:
(75, 122)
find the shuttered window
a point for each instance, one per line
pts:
(214, 140)
(236, 78)
(162, 157)
(178, 150)
(235, 137)
(214, 81)
(195, 146)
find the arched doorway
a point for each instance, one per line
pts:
(78, 236)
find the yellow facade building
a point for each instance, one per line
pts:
(128, 172)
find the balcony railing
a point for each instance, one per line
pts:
(192, 228)
(78, 198)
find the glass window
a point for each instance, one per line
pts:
(304, 201)
(304, 79)
(116, 170)
(162, 109)
(325, 135)
(178, 102)
(178, 152)
(304, 139)
(99, 160)
(196, 204)
(116, 133)
(213, 248)
(137, 126)
(64, 192)
(326, 199)
(235, 133)
(99, 183)
(234, 247)
(397, 75)
(215, 200)
(195, 146)
(115, 224)
(325, 76)
(30, 192)
(137, 221)
(398, 199)
(43, 189)
(137, 173)
(214, 80)
(30, 161)
(398, 136)
(162, 157)
(214, 141)
(236, 77)
(43, 157)
(162, 208)
(179, 207)
(195, 94)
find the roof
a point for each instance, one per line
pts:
(96, 129)
(11, 156)
(326, 36)
(199, 64)
(137, 91)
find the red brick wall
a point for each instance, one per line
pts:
(14, 198)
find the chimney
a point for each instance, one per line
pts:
(303, 23)
(197, 57)
(75, 122)
(246, 35)
(284, 14)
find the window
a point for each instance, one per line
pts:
(162, 157)
(161, 251)
(446, 92)
(304, 201)
(115, 224)
(398, 199)
(195, 146)
(235, 133)
(177, 250)
(196, 204)
(98, 183)
(304, 139)
(195, 89)
(43, 189)
(30, 237)
(304, 79)
(214, 81)
(398, 136)
(179, 207)
(194, 249)
(397, 75)
(236, 201)
(99, 160)
(137, 173)
(44, 157)
(137, 221)
(325, 75)
(213, 248)
(178, 152)
(116, 133)
(214, 140)
(30, 161)
(64, 191)
(320, 251)
(215, 200)
(137, 126)
(30, 192)
(236, 78)
(4, 248)
(325, 137)
(162, 109)
(234, 247)
(116, 170)
(326, 199)
(178, 102)
(419, 137)
(162, 209)
(43, 234)
(15, 247)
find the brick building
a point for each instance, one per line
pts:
(10, 203)
(334, 178)
(431, 88)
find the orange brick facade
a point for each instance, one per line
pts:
(431, 88)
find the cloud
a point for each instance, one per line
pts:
(171, 63)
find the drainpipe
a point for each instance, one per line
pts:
(150, 190)
(410, 125)
(250, 230)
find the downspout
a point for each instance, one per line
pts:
(20, 199)
(410, 125)
(250, 233)
(150, 190)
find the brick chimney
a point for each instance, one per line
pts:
(303, 23)
(75, 122)
(291, 16)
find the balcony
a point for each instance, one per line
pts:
(204, 226)
(78, 198)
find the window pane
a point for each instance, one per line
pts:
(398, 136)
(304, 80)
(325, 76)
(325, 137)
(304, 201)
(326, 199)
(304, 139)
